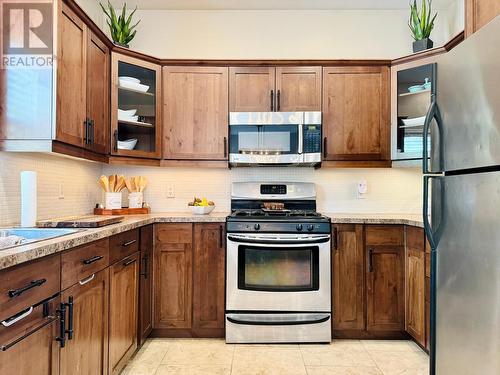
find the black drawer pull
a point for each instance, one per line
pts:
(370, 260)
(279, 101)
(92, 260)
(62, 325)
(128, 262)
(128, 243)
(33, 284)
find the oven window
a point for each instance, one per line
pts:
(278, 269)
(264, 139)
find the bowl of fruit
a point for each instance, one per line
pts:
(201, 206)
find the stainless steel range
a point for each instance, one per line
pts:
(278, 286)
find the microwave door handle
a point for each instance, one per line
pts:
(301, 138)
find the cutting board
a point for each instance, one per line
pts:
(88, 221)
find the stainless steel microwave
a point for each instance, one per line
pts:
(274, 138)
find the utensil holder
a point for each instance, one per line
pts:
(135, 200)
(113, 200)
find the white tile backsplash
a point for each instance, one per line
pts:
(389, 190)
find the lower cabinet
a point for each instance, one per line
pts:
(348, 278)
(145, 324)
(415, 284)
(208, 280)
(385, 294)
(86, 347)
(123, 316)
(189, 263)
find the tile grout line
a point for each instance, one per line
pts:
(232, 360)
(303, 362)
(162, 358)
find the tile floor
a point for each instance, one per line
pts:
(214, 357)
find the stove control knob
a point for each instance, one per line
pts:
(299, 227)
(256, 226)
(310, 227)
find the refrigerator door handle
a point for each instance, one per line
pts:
(432, 234)
(432, 113)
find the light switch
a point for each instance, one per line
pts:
(362, 189)
(170, 191)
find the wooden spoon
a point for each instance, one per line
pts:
(142, 183)
(120, 183)
(104, 183)
(132, 184)
(128, 184)
(112, 182)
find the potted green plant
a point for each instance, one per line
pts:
(421, 25)
(119, 26)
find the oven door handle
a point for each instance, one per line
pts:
(278, 240)
(277, 320)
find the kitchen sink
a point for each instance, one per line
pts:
(30, 235)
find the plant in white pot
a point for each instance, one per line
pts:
(119, 26)
(421, 24)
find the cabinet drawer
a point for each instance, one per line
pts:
(385, 235)
(123, 244)
(415, 239)
(80, 263)
(25, 285)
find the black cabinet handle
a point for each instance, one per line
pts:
(225, 147)
(86, 128)
(335, 239)
(115, 140)
(91, 132)
(128, 262)
(221, 231)
(145, 273)
(92, 260)
(62, 325)
(32, 284)
(279, 101)
(69, 331)
(272, 100)
(128, 243)
(370, 260)
(324, 148)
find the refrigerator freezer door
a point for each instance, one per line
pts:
(468, 97)
(468, 276)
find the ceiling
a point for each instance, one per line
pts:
(273, 4)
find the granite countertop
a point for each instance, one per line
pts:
(20, 254)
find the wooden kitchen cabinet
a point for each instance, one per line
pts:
(209, 280)
(195, 115)
(264, 89)
(348, 278)
(415, 284)
(123, 312)
(251, 89)
(173, 278)
(385, 278)
(86, 351)
(478, 13)
(144, 100)
(145, 284)
(82, 116)
(356, 113)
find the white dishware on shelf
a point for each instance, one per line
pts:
(126, 112)
(413, 122)
(128, 118)
(128, 144)
(132, 85)
(130, 79)
(201, 210)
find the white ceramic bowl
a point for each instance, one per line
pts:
(130, 79)
(417, 121)
(201, 210)
(126, 112)
(129, 144)
(128, 118)
(133, 85)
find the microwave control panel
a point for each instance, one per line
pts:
(312, 139)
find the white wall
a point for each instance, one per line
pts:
(94, 11)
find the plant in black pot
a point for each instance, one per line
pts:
(421, 24)
(119, 26)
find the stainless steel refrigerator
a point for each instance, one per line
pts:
(463, 180)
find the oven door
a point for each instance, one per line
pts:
(278, 272)
(265, 137)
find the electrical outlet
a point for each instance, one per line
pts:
(362, 188)
(61, 192)
(170, 191)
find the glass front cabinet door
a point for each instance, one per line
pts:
(135, 108)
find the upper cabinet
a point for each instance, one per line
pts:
(135, 107)
(195, 113)
(478, 13)
(356, 111)
(263, 89)
(82, 85)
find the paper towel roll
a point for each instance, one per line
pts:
(28, 199)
